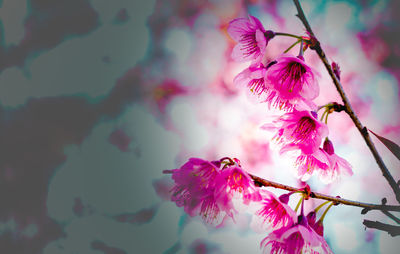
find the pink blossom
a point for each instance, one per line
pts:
(251, 36)
(252, 78)
(194, 185)
(336, 165)
(324, 162)
(295, 239)
(204, 189)
(299, 130)
(292, 83)
(306, 164)
(235, 187)
(274, 212)
(210, 209)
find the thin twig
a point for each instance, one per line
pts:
(263, 182)
(388, 214)
(363, 130)
(390, 229)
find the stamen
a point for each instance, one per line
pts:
(293, 76)
(249, 44)
(304, 129)
(257, 86)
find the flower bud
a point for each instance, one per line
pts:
(284, 198)
(336, 69)
(328, 147)
(319, 228)
(311, 217)
(314, 114)
(302, 220)
(269, 34)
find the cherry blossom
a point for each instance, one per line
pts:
(273, 212)
(251, 36)
(296, 238)
(298, 130)
(292, 83)
(336, 165)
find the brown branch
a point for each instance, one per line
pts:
(388, 214)
(263, 182)
(349, 110)
(390, 229)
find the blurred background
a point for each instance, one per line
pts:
(98, 97)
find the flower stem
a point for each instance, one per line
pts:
(301, 48)
(325, 212)
(320, 206)
(288, 34)
(323, 115)
(349, 110)
(326, 117)
(263, 182)
(301, 200)
(291, 46)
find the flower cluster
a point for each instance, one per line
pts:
(298, 237)
(219, 190)
(216, 190)
(287, 83)
(212, 189)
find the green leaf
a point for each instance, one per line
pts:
(393, 147)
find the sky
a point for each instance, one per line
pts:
(98, 97)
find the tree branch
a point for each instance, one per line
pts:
(263, 182)
(390, 229)
(397, 220)
(349, 110)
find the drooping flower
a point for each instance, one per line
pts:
(298, 130)
(306, 164)
(194, 186)
(253, 79)
(295, 239)
(273, 212)
(323, 161)
(292, 83)
(251, 36)
(336, 165)
(210, 209)
(214, 190)
(235, 188)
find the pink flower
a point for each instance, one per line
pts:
(307, 163)
(210, 210)
(251, 36)
(295, 239)
(194, 185)
(325, 162)
(299, 130)
(336, 165)
(204, 189)
(234, 187)
(274, 212)
(253, 79)
(292, 83)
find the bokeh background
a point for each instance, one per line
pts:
(98, 97)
